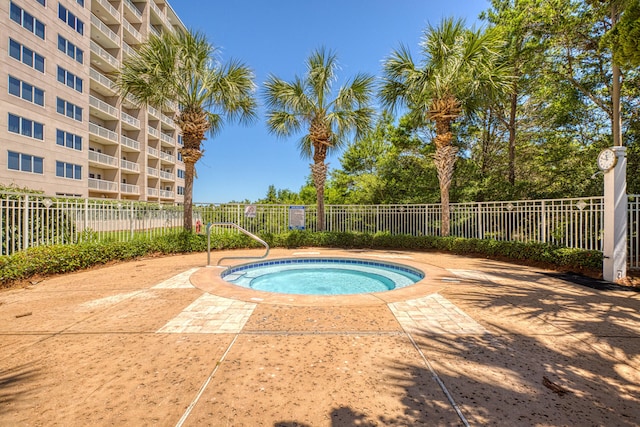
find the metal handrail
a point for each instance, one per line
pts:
(237, 227)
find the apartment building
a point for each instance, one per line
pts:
(63, 129)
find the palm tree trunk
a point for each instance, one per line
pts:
(319, 173)
(445, 159)
(189, 172)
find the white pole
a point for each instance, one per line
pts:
(614, 248)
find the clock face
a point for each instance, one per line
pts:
(607, 159)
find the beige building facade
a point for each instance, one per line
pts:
(63, 129)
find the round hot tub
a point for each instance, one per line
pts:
(322, 276)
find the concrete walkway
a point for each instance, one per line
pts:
(167, 342)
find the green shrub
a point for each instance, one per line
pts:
(46, 260)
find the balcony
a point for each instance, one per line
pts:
(129, 166)
(129, 122)
(166, 194)
(102, 134)
(129, 189)
(102, 160)
(166, 175)
(168, 139)
(131, 35)
(167, 120)
(128, 50)
(153, 152)
(168, 157)
(152, 172)
(103, 59)
(101, 32)
(101, 109)
(102, 185)
(152, 192)
(153, 131)
(129, 143)
(109, 13)
(153, 112)
(131, 12)
(104, 86)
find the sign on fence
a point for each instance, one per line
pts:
(250, 211)
(296, 217)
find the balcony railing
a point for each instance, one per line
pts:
(133, 8)
(103, 159)
(105, 29)
(168, 157)
(152, 192)
(112, 10)
(153, 152)
(130, 166)
(103, 132)
(135, 33)
(152, 171)
(168, 139)
(166, 175)
(166, 194)
(130, 120)
(153, 111)
(128, 50)
(129, 188)
(98, 50)
(102, 185)
(131, 143)
(167, 120)
(103, 80)
(153, 131)
(103, 106)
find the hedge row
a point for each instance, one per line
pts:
(47, 260)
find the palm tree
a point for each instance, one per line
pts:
(306, 103)
(182, 68)
(460, 66)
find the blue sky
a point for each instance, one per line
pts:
(276, 37)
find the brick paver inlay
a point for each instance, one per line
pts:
(211, 314)
(435, 314)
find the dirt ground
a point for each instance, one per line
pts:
(163, 341)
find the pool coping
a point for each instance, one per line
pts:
(208, 279)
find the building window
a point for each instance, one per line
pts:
(24, 162)
(70, 79)
(26, 55)
(180, 190)
(42, 2)
(69, 140)
(70, 49)
(25, 127)
(68, 109)
(68, 170)
(80, 2)
(27, 21)
(26, 91)
(70, 19)
(181, 173)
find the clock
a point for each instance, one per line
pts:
(607, 159)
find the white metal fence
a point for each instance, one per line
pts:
(32, 220)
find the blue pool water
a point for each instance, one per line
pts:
(322, 276)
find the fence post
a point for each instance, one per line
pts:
(86, 214)
(480, 225)
(25, 223)
(543, 213)
(131, 216)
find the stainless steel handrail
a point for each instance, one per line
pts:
(237, 227)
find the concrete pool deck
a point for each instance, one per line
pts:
(164, 341)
